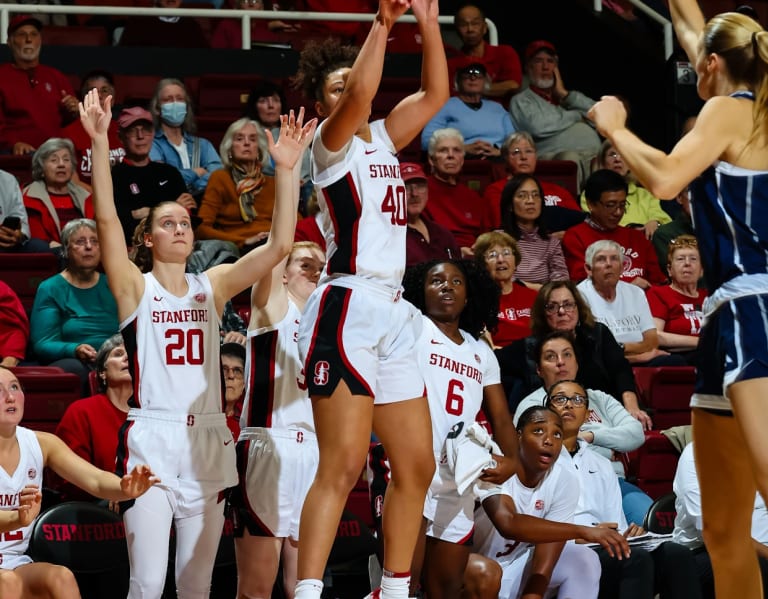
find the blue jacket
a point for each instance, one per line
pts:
(163, 151)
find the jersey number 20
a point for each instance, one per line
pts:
(184, 347)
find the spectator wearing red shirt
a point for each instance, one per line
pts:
(606, 193)
(14, 327)
(501, 62)
(104, 82)
(36, 100)
(452, 204)
(498, 253)
(90, 425)
(425, 240)
(677, 308)
(518, 152)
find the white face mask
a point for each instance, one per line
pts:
(174, 113)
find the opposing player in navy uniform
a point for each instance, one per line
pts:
(23, 455)
(170, 323)
(277, 449)
(357, 334)
(726, 152)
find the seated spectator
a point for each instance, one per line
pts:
(483, 123)
(608, 429)
(606, 193)
(689, 527)
(175, 142)
(669, 569)
(104, 82)
(452, 204)
(14, 328)
(163, 32)
(554, 115)
(622, 307)
(643, 209)
(228, 33)
(501, 62)
(36, 100)
(265, 104)
(560, 307)
(498, 253)
(425, 240)
(90, 425)
(238, 202)
(518, 152)
(74, 311)
(523, 218)
(15, 234)
(138, 182)
(53, 199)
(681, 224)
(233, 374)
(677, 308)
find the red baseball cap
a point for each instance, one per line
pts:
(537, 46)
(410, 171)
(20, 20)
(129, 116)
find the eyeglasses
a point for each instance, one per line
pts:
(134, 131)
(84, 241)
(613, 154)
(472, 73)
(554, 307)
(684, 259)
(560, 400)
(526, 151)
(527, 195)
(494, 254)
(252, 2)
(235, 371)
(611, 206)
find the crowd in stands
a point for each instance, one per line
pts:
(592, 281)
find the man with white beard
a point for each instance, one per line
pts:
(552, 114)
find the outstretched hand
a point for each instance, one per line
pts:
(294, 138)
(425, 9)
(612, 540)
(138, 481)
(30, 500)
(505, 468)
(391, 10)
(94, 118)
(608, 115)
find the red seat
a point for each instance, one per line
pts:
(652, 466)
(564, 173)
(24, 272)
(75, 35)
(477, 174)
(19, 166)
(667, 391)
(135, 90)
(224, 95)
(47, 397)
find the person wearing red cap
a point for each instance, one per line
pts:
(425, 239)
(501, 62)
(138, 182)
(36, 100)
(552, 114)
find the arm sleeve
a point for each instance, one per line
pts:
(531, 113)
(573, 251)
(439, 121)
(613, 359)
(46, 326)
(14, 326)
(618, 430)
(558, 270)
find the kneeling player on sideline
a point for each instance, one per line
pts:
(23, 456)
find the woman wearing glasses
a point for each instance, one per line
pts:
(677, 308)
(498, 253)
(559, 306)
(643, 210)
(522, 217)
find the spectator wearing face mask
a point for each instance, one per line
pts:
(175, 142)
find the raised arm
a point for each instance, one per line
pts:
(688, 22)
(99, 483)
(408, 118)
(230, 279)
(125, 279)
(269, 298)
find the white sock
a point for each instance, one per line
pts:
(394, 585)
(309, 588)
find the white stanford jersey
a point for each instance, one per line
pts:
(275, 393)
(173, 349)
(28, 472)
(454, 377)
(553, 499)
(363, 208)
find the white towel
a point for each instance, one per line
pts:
(468, 453)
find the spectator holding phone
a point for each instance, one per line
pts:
(14, 230)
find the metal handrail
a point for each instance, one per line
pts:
(217, 13)
(665, 23)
